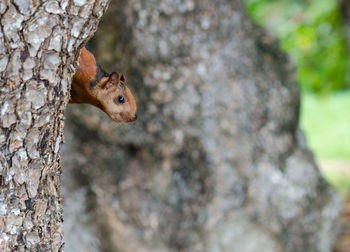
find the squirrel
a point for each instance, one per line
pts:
(107, 92)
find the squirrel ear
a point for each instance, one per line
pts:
(114, 78)
(123, 78)
(112, 81)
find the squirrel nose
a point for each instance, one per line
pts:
(126, 117)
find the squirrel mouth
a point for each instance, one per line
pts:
(127, 117)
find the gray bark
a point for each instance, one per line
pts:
(216, 161)
(39, 42)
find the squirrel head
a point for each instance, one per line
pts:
(115, 98)
(108, 92)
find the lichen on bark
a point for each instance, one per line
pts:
(39, 47)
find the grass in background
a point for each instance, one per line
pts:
(326, 122)
(339, 179)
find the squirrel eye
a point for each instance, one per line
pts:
(121, 99)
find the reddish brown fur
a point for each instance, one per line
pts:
(104, 92)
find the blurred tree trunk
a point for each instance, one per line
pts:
(216, 161)
(39, 42)
(345, 11)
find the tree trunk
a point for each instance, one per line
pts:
(345, 11)
(216, 161)
(39, 42)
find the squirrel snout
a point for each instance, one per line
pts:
(128, 118)
(134, 118)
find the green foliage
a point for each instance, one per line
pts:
(312, 33)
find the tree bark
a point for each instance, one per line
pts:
(39, 46)
(216, 160)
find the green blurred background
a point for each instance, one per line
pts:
(313, 33)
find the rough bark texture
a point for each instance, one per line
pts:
(39, 43)
(216, 161)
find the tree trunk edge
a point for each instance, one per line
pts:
(39, 42)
